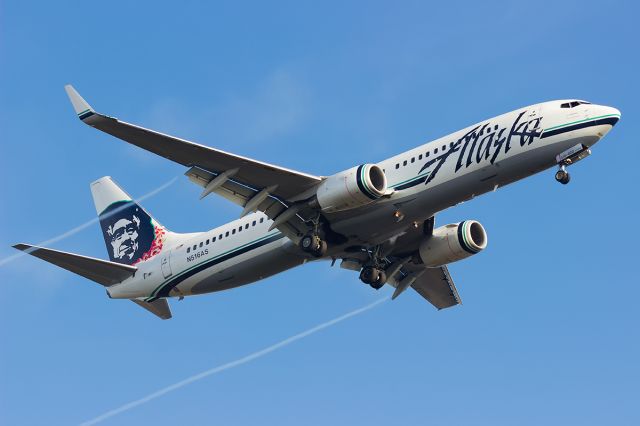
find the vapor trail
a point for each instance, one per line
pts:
(85, 225)
(229, 365)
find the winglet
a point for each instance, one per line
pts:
(82, 108)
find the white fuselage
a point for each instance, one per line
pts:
(425, 180)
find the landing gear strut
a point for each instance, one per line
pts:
(562, 175)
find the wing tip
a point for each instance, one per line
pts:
(22, 246)
(80, 106)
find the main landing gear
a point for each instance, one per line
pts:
(373, 276)
(313, 244)
(562, 175)
(372, 272)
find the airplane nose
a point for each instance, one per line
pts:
(613, 114)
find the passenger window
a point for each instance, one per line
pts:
(240, 229)
(195, 247)
(404, 163)
(420, 157)
(397, 165)
(435, 151)
(427, 154)
(220, 236)
(226, 234)
(213, 240)
(413, 159)
(254, 223)
(233, 231)
(246, 226)
(201, 244)
(444, 147)
(207, 243)
(188, 249)
(261, 219)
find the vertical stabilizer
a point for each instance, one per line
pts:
(130, 233)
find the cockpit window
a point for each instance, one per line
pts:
(574, 104)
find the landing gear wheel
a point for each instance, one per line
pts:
(322, 249)
(373, 276)
(382, 278)
(563, 176)
(368, 275)
(311, 243)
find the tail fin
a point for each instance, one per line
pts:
(130, 233)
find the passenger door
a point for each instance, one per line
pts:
(165, 262)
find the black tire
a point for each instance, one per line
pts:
(321, 249)
(566, 179)
(306, 243)
(561, 176)
(380, 280)
(368, 275)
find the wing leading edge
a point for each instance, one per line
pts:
(252, 173)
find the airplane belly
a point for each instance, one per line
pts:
(271, 259)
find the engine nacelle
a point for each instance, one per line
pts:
(453, 242)
(352, 188)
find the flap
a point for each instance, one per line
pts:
(239, 194)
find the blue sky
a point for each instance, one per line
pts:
(548, 332)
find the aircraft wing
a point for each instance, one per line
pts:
(434, 284)
(437, 287)
(241, 179)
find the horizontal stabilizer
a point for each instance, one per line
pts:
(98, 270)
(158, 307)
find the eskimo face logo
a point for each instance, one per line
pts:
(128, 232)
(124, 237)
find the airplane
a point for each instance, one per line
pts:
(377, 219)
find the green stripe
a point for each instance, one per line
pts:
(581, 121)
(157, 289)
(409, 180)
(364, 182)
(85, 111)
(464, 234)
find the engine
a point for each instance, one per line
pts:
(453, 242)
(352, 188)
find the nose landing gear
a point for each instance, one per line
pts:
(569, 157)
(562, 175)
